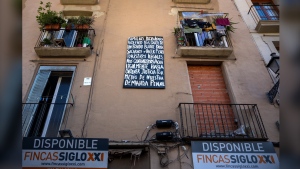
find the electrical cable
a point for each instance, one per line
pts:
(152, 127)
(164, 160)
(188, 164)
(86, 116)
(148, 127)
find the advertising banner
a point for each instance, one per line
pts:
(61, 153)
(226, 154)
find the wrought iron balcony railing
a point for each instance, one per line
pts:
(67, 43)
(202, 121)
(66, 38)
(212, 38)
(34, 117)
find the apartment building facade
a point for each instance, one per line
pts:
(156, 78)
(262, 19)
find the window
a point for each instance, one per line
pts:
(44, 109)
(266, 10)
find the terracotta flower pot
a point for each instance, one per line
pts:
(52, 27)
(68, 28)
(84, 26)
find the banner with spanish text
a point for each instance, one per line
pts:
(226, 154)
(59, 153)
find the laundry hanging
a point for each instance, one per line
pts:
(222, 21)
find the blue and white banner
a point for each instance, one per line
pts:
(44, 152)
(221, 154)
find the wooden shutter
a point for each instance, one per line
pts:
(34, 97)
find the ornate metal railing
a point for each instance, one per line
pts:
(203, 121)
(212, 38)
(37, 114)
(66, 38)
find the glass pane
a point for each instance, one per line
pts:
(59, 107)
(270, 11)
(261, 13)
(69, 37)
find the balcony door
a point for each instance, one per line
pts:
(208, 87)
(70, 37)
(45, 107)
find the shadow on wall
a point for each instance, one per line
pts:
(129, 158)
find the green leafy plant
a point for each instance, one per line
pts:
(179, 37)
(228, 27)
(64, 25)
(47, 16)
(46, 41)
(176, 31)
(85, 20)
(71, 21)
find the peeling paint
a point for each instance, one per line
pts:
(98, 14)
(173, 12)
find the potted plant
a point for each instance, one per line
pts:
(228, 27)
(179, 38)
(46, 42)
(84, 22)
(70, 24)
(49, 19)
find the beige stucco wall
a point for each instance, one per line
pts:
(123, 114)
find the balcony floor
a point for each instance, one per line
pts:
(204, 52)
(62, 52)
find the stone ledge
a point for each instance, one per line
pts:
(204, 52)
(192, 1)
(77, 13)
(78, 2)
(267, 26)
(61, 52)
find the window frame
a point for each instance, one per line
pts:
(28, 122)
(262, 5)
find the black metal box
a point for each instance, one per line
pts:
(164, 123)
(164, 136)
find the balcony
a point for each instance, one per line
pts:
(34, 117)
(197, 36)
(62, 43)
(78, 2)
(213, 44)
(266, 18)
(192, 1)
(199, 121)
